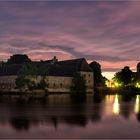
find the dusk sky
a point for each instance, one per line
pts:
(106, 32)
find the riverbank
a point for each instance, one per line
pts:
(23, 95)
(121, 91)
(41, 94)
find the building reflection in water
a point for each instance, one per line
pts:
(137, 105)
(23, 117)
(116, 105)
(20, 123)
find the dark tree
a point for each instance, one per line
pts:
(98, 78)
(78, 88)
(21, 82)
(124, 77)
(18, 59)
(29, 70)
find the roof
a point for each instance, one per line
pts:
(12, 69)
(57, 70)
(79, 64)
(65, 68)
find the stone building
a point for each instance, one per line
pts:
(59, 75)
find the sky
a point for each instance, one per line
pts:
(104, 31)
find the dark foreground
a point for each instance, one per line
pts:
(110, 116)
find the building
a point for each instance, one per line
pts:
(59, 74)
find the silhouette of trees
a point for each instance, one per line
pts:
(18, 59)
(124, 77)
(27, 76)
(98, 78)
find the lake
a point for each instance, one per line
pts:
(110, 116)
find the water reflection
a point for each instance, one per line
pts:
(137, 107)
(126, 106)
(57, 113)
(116, 105)
(137, 104)
(97, 108)
(20, 123)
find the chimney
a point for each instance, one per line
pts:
(54, 60)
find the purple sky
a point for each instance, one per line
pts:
(107, 32)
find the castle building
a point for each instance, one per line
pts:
(59, 75)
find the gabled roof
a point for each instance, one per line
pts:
(79, 64)
(59, 68)
(12, 69)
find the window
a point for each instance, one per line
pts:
(61, 85)
(84, 75)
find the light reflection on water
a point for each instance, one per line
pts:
(100, 117)
(116, 105)
(137, 104)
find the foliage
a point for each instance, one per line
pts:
(42, 84)
(124, 77)
(28, 72)
(21, 82)
(29, 69)
(78, 88)
(98, 78)
(18, 59)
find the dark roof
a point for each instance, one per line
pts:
(12, 69)
(60, 68)
(42, 62)
(79, 64)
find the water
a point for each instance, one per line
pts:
(111, 116)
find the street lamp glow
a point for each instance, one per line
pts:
(116, 84)
(137, 85)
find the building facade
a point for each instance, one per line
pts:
(59, 75)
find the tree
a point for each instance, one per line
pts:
(21, 82)
(18, 59)
(78, 88)
(98, 78)
(42, 84)
(29, 71)
(124, 77)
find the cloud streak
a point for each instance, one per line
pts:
(107, 32)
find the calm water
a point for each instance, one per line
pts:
(101, 117)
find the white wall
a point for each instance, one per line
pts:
(56, 83)
(59, 84)
(89, 80)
